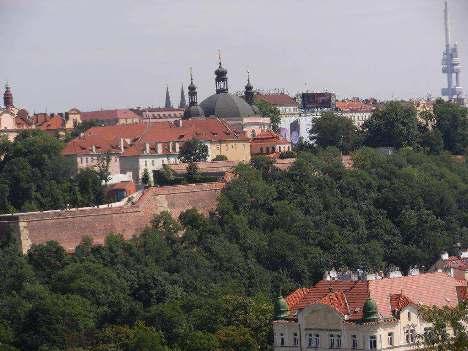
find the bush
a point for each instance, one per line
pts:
(220, 158)
(287, 154)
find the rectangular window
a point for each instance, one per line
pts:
(390, 339)
(409, 316)
(412, 336)
(354, 344)
(313, 340)
(372, 342)
(152, 162)
(331, 344)
(295, 340)
(338, 341)
(282, 339)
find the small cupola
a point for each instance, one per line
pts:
(370, 312)
(281, 309)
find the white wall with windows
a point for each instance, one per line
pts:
(320, 327)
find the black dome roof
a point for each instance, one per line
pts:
(193, 111)
(225, 105)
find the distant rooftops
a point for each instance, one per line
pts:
(278, 99)
(354, 106)
(135, 139)
(106, 115)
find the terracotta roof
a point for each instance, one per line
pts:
(267, 137)
(354, 106)
(135, 136)
(348, 297)
(355, 293)
(44, 121)
(206, 167)
(162, 109)
(128, 186)
(106, 115)
(280, 99)
(399, 301)
(427, 289)
(455, 262)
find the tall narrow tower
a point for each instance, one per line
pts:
(451, 64)
(7, 97)
(168, 99)
(182, 103)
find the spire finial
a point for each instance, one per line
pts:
(248, 76)
(191, 76)
(219, 57)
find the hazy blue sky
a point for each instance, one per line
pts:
(92, 54)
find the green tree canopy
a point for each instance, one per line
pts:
(193, 151)
(332, 129)
(268, 110)
(393, 125)
(452, 123)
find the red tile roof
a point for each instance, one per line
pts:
(136, 136)
(428, 289)
(268, 137)
(399, 301)
(46, 122)
(456, 262)
(348, 297)
(277, 99)
(355, 293)
(106, 115)
(354, 106)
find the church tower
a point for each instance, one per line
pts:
(182, 103)
(193, 110)
(168, 98)
(221, 81)
(7, 97)
(249, 93)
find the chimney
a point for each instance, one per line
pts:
(94, 149)
(147, 148)
(395, 273)
(464, 254)
(121, 145)
(178, 123)
(444, 256)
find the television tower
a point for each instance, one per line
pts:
(451, 64)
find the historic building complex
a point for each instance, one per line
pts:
(378, 314)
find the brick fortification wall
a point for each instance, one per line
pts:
(68, 227)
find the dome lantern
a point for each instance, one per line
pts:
(221, 81)
(193, 110)
(249, 93)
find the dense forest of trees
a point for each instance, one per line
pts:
(211, 288)
(397, 124)
(34, 176)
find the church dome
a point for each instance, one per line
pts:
(193, 112)
(225, 105)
